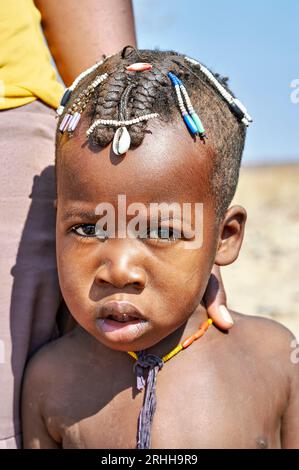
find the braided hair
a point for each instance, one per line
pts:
(127, 95)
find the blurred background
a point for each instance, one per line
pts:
(256, 44)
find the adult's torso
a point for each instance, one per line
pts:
(26, 72)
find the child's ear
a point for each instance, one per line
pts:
(55, 204)
(231, 235)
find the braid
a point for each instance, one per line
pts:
(127, 95)
(106, 106)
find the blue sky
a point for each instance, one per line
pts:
(255, 43)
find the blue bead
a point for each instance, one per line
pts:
(172, 78)
(175, 80)
(190, 124)
(179, 82)
(66, 97)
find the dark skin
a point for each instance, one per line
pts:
(83, 45)
(78, 33)
(241, 386)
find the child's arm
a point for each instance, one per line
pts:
(290, 422)
(35, 432)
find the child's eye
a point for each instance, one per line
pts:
(86, 230)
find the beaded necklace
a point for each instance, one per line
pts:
(153, 364)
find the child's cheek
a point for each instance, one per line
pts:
(74, 278)
(181, 282)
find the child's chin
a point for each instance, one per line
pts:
(123, 336)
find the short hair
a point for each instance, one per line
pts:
(152, 92)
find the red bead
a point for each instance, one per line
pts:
(139, 67)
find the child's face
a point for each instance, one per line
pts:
(130, 293)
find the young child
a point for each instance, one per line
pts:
(131, 130)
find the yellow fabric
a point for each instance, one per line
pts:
(26, 73)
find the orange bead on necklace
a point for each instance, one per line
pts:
(146, 368)
(183, 345)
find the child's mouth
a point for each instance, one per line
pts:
(120, 321)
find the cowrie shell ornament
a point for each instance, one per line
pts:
(121, 141)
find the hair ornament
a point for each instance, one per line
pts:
(235, 105)
(73, 116)
(139, 67)
(190, 117)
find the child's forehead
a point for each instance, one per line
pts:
(168, 164)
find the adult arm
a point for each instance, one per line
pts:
(79, 33)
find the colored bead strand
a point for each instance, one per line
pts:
(79, 106)
(187, 119)
(198, 124)
(190, 124)
(86, 72)
(67, 94)
(65, 122)
(191, 111)
(206, 324)
(172, 353)
(199, 333)
(65, 97)
(146, 368)
(190, 108)
(185, 344)
(235, 105)
(74, 122)
(133, 354)
(116, 123)
(188, 341)
(174, 81)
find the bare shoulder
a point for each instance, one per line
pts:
(50, 371)
(46, 384)
(264, 331)
(268, 341)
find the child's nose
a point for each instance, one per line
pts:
(120, 266)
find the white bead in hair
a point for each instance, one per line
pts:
(85, 73)
(115, 123)
(71, 119)
(236, 106)
(121, 140)
(99, 79)
(66, 96)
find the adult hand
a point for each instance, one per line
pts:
(215, 301)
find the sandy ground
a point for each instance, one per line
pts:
(264, 280)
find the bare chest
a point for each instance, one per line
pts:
(205, 410)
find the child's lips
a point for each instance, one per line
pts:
(120, 321)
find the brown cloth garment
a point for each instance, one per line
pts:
(29, 290)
